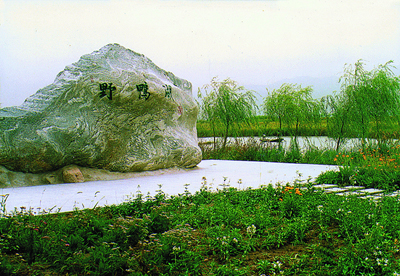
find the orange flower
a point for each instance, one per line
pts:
(335, 159)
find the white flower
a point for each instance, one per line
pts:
(251, 229)
(277, 264)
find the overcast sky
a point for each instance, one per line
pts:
(252, 42)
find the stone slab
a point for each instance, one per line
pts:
(335, 190)
(394, 194)
(371, 191)
(325, 186)
(354, 187)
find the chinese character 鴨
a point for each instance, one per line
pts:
(142, 88)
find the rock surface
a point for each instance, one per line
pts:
(114, 109)
(72, 174)
(11, 179)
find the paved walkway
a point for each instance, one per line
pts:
(239, 174)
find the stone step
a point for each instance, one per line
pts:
(325, 186)
(358, 191)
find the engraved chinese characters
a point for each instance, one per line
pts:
(104, 87)
(168, 91)
(114, 109)
(143, 93)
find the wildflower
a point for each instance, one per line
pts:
(251, 229)
(298, 192)
(176, 248)
(335, 159)
(235, 240)
(277, 264)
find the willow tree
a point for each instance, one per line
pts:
(338, 119)
(373, 96)
(291, 105)
(227, 103)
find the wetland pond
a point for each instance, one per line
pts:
(304, 142)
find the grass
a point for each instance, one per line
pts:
(254, 150)
(377, 166)
(260, 126)
(266, 231)
(286, 230)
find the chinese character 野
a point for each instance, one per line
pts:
(142, 88)
(168, 91)
(104, 87)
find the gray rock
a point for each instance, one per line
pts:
(72, 174)
(114, 109)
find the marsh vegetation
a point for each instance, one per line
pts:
(286, 230)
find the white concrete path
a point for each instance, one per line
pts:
(67, 197)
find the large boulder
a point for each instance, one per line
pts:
(114, 109)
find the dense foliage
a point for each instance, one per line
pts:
(226, 103)
(216, 231)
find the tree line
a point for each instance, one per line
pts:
(368, 102)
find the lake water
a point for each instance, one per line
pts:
(316, 142)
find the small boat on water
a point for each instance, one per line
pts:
(274, 140)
